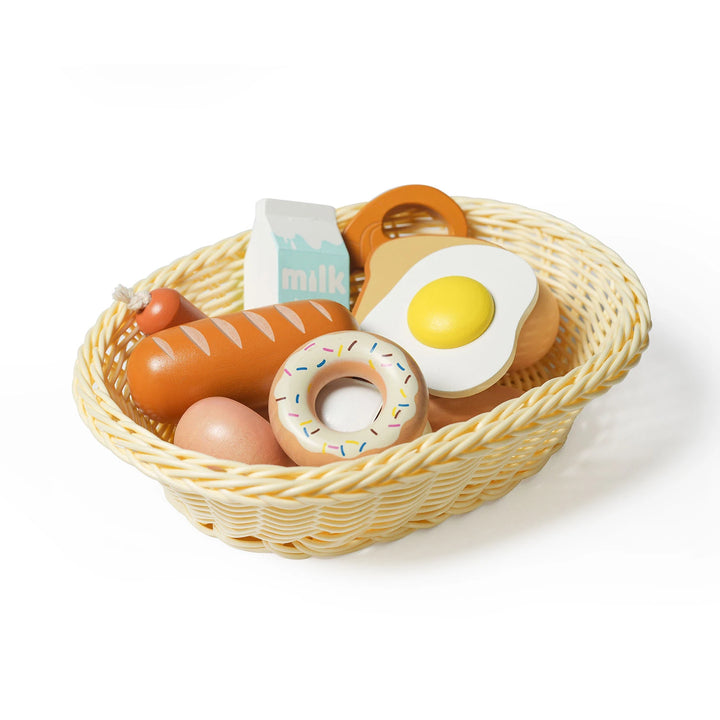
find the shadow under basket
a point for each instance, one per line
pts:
(345, 506)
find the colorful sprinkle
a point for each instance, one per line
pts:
(297, 398)
(351, 345)
(361, 447)
(324, 446)
(406, 379)
(329, 350)
(352, 442)
(293, 415)
(279, 399)
(305, 422)
(403, 404)
(372, 349)
(334, 447)
(340, 350)
(317, 430)
(370, 363)
(307, 347)
(288, 372)
(372, 431)
(402, 392)
(300, 368)
(342, 451)
(306, 432)
(385, 364)
(321, 363)
(400, 366)
(398, 425)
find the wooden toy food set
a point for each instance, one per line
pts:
(482, 328)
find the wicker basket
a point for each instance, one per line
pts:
(344, 506)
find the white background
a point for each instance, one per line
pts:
(132, 133)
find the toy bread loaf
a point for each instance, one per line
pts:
(234, 356)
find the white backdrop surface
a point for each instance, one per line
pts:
(132, 134)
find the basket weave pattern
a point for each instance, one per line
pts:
(344, 506)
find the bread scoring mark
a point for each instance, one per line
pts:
(260, 323)
(228, 330)
(164, 346)
(292, 316)
(197, 337)
(321, 309)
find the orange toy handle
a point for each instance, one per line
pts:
(365, 231)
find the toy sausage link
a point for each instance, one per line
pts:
(233, 356)
(158, 309)
(167, 308)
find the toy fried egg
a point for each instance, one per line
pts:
(457, 309)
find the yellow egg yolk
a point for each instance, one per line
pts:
(450, 312)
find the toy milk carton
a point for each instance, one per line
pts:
(296, 252)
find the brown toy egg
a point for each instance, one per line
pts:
(229, 430)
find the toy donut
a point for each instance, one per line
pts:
(291, 407)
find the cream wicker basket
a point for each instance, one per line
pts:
(344, 506)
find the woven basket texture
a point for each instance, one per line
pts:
(345, 506)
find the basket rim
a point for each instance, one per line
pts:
(405, 463)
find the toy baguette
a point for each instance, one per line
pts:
(234, 356)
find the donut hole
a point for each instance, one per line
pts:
(348, 404)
